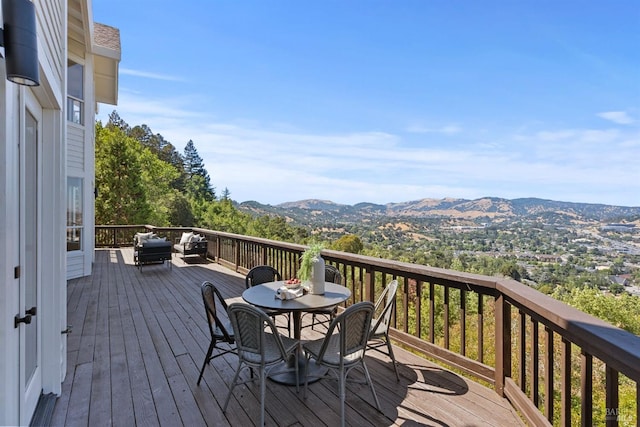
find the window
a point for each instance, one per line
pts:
(75, 92)
(74, 214)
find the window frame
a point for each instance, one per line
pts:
(75, 103)
(75, 214)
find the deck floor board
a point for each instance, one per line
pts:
(139, 340)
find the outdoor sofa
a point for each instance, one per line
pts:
(191, 244)
(148, 248)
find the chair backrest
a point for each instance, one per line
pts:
(212, 298)
(252, 325)
(353, 327)
(332, 274)
(261, 274)
(388, 298)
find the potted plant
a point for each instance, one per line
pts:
(311, 271)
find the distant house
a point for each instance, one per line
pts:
(548, 258)
(539, 257)
(621, 279)
(46, 188)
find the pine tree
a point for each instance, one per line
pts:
(116, 121)
(225, 194)
(198, 184)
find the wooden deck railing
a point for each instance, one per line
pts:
(555, 364)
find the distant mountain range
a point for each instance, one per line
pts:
(483, 210)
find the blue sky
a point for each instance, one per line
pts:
(390, 101)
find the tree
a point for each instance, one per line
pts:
(510, 269)
(623, 310)
(198, 184)
(223, 216)
(163, 149)
(179, 213)
(348, 243)
(116, 121)
(122, 196)
(225, 194)
(157, 177)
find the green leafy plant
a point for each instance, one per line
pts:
(306, 261)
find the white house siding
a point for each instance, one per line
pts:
(75, 265)
(75, 149)
(50, 24)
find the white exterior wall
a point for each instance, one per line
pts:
(9, 251)
(80, 164)
(65, 149)
(51, 316)
(76, 141)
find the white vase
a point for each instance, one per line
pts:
(317, 276)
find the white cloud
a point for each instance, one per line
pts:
(619, 117)
(556, 135)
(273, 164)
(149, 75)
(445, 130)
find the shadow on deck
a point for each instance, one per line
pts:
(139, 339)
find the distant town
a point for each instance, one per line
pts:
(549, 243)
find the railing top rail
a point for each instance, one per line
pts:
(240, 237)
(614, 346)
(108, 226)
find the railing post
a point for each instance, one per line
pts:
(432, 311)
(612, 406)
(370, 284)
(586, 388)
(236, 248)
(565, 393)
(503, 343)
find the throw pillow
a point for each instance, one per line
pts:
(186, 238)
(143, 237)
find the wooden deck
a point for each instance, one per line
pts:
(139, 339)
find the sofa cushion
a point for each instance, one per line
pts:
(157, 243)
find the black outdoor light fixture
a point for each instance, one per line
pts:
(18, 36)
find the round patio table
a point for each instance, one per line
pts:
(263, 296)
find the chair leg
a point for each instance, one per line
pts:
(306, 377)
(233, 384)
(341, 384)
(296, 356)
(393, 357)
(373, 391)
(206, 360)
(263, 388)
